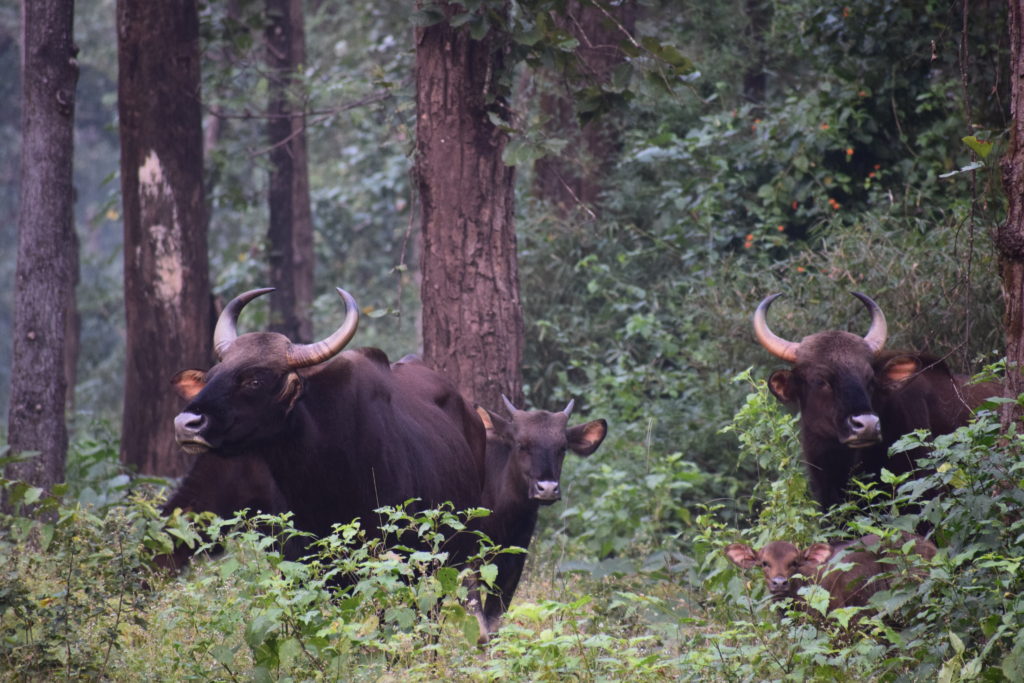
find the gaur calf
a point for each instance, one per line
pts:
(851, 571)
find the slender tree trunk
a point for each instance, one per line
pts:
(166, 277)
(755, 78)
(574, 178)
(44, 279)
(72, 323)
(1010, 236)
(290, 236)
(472, 318)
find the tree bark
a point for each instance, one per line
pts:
(1010, 235)
(47, 261)
(290, 235)
(472, 317)
(574, 178)
(166, 276)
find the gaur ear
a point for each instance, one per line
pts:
(496, 424)
(292, 390)
(585, 438)
(783, 385)
(899, 369)
(742, 556)
(188, 383)
(485, 417)
(819, 553)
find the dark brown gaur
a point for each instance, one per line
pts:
(855, 400)
(341, 433)
(523, 471)
(787, 568)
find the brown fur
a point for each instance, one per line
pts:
(787, 568)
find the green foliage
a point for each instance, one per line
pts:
(957, 617)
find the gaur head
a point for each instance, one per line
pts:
(247, 397)
(537, 441)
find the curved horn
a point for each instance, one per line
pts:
(226, 331)
(512, 410)
(879, 330)
(304, 355)
(777, 346)
(568, 409)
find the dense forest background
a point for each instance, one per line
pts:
(755, 147)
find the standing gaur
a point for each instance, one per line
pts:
(523, 472)
(855, 400)
(341, 434)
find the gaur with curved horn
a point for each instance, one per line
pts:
(787, 350)
(855, 400)
(299, 355)
(340, 432)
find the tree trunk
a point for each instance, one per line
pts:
(166, 277)
(472, 318)
(1010, 235)
(46, 257)
(573, 179)
(290, 236)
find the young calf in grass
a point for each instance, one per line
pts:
(870, 568)
(522, 472)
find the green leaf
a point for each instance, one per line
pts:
(224, 655)
(262, 627)
(460, 19)
(448, 577)
(668, 54)
(478, 28)
(428, 16)
(32, 494)
(844, 614)
(489, 573)
(958, 645)
(980, 147)
(817, 597)
(1013, 663)
(404, 617)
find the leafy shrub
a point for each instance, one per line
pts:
(960, 620)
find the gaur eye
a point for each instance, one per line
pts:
(252, 383)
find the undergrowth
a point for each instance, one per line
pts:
(80, 597)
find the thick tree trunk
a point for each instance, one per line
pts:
(573, 179)
(290, 236)
(1010, 236)
(472, 318)
(44, 279)
(166, 277)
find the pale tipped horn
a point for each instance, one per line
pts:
(775, 345)
(304, 355)
(879, 330)
(512, 410)
(568, 409)
(226, 331)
